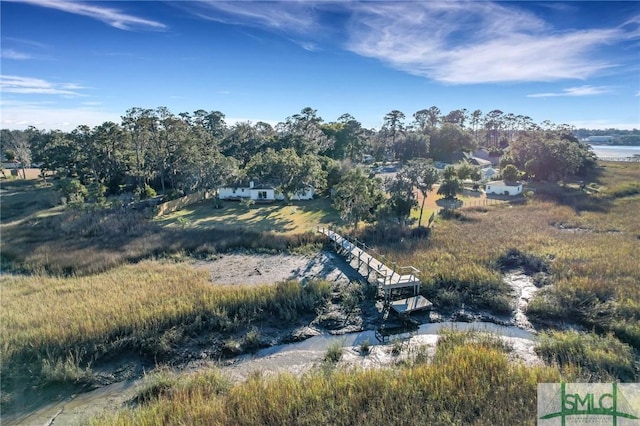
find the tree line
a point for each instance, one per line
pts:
(156, 151)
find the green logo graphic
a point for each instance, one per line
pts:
(597, 403)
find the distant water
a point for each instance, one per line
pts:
(604, 152)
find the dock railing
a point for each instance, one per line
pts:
(384, 268)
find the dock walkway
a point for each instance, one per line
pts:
(387, 278)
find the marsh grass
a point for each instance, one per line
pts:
(334, 352)
(471, 382)
(605, 358)
(587, 251)
(85, 242)
(148, 307)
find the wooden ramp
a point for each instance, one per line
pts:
(410, 304)
(387, 278)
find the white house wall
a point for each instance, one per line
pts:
(501, 189)
(233, 193)
(270, 194)
(307, 195)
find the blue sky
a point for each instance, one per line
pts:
(66, 63)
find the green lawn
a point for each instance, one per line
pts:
(293, 218)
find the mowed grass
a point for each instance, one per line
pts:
(148, 308)
(469, 381)
(279, 217)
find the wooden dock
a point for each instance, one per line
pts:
(411, 304)
(387, 278)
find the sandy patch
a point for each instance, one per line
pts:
(254, 269)
(299, 361)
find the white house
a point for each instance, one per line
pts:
(501, 187)
(240, 191)
(259, 193)
(307, 194)
(262, 193)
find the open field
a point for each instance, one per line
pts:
(281, 218)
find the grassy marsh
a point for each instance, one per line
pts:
(469, 381)
(52, 326)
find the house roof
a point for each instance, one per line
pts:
(236, 185)
(453, 157)
(480, 162)
(504, 183)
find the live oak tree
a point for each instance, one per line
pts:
(423, 176)
(510, 173)
(450, 138)
(349, 138)
(450, 186)
(357, 197)
(412, 145)
(402, 197)
(551, 156)
(303, 132)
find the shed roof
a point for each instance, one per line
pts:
(504, 183)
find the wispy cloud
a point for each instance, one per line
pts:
(110, 16)
(291, 16)
(475, 42)
(455, 42)
(29, 85)
(14, 54)
(24, 42)
(575, 91)
(298, 20)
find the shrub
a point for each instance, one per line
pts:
(334, 352)
(365, 347)
(73, 191)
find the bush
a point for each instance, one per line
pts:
(73, 192)
(365, 347)
(334, 352)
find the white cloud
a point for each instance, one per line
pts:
(296, 17)
(14, 54)
(28, 85)
(109, 16)
(291, 16)
(575, 91)
(454, 42)
(474, 42)
(20, 115)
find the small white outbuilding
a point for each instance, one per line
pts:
(500, 187)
